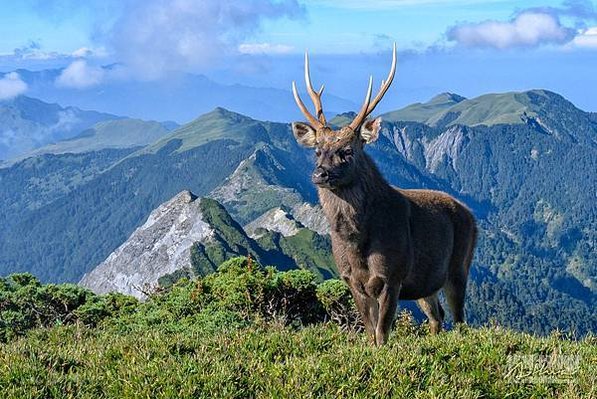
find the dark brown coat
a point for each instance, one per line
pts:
(388, 243)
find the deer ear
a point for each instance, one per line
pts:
(304, 134)
(370, 130)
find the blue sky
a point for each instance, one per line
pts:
(466, 46)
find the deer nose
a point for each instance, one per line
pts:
(319, 175)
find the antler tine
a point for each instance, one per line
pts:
(315, 96)
(314, 122)
(363, 112)
(385, 84)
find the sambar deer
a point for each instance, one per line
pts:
(388, 243)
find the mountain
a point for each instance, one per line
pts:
(67, 237)
(190, 236)
(528, 181)
(512, 108)
(79, 229)
(533, 179)
(181, 97)
(110, 134)
(421, 112)
(27, 123)
(262, 181)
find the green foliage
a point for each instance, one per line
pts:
(247, 331)
(243, 291)
(336, 299)
(25, 304)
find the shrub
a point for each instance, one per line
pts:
(336, 299)
(241, 292)
(291, 298)
(25, 303)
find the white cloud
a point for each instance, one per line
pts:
(587, 38)
(264, 48)
(82, 52)
(154, 37)
(86, 52)
(11, 86)
(80, 75)
(527, 29)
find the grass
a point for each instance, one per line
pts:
(249, 332)
(489, 109)
(218, 124)
(270, 360)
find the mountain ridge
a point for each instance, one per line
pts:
(191, 236)
(119, 133)
(526, 182)
(27, 123)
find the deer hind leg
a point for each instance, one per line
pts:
(455, 286)
(455, 291)
(433, 310)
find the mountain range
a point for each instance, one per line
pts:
(27, 123)
(524, 162)
(181, 97)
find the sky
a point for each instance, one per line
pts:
(469, 47)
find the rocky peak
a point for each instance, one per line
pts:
(160, 246)
(276, 219)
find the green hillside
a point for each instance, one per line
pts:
(422, 112)
(220, 124)
(247, 332)
(489, 109)
(118, 133)
(27, 123)
(449, 109)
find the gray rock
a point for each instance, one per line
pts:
(160, 246)
(312, 217)
(275, 219)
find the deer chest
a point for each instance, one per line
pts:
(347, 228)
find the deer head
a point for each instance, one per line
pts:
(339, 152)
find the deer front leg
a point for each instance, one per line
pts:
(388, 301)
(367, 308)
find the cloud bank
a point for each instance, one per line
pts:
(531, 27)
(587, 38)
(80, 75)
(527, 29)
(11, 86)
(154, 37)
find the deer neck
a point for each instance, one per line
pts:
(347, 209)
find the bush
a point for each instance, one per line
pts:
(240, 293)
(336, 299)
(25, 303)
(291, 298)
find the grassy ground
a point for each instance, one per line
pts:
(275, 361)
(249, 332)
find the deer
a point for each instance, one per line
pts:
(388, 243)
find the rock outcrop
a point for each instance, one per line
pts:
(160, 246)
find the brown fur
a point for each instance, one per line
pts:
(389, 243)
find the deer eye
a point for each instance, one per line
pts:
(317, 152)
(347, 152)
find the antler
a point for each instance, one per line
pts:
(319, 121)
(368, 107)
(315, 96)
